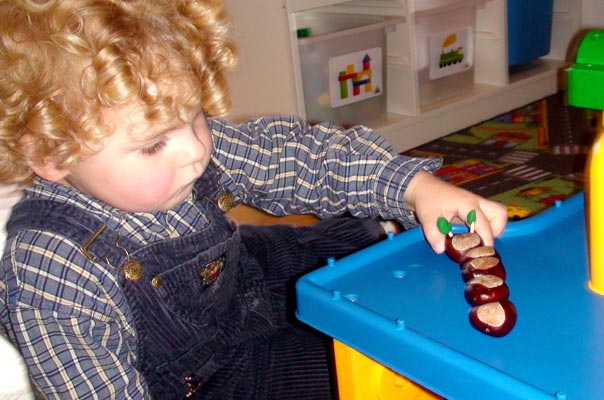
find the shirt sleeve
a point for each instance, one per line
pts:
(64, 316)
(283, 165)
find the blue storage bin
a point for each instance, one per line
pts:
(529, 29)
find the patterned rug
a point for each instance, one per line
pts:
(527, 158)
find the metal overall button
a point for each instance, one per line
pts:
(225, 202)
(156, 281)
(133, 270)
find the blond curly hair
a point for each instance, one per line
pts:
(62, 62)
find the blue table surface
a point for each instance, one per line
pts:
(403, 305)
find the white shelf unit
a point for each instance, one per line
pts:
(268, 80)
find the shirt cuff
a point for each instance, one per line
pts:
(393, 181)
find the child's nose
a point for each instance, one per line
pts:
(193, 149)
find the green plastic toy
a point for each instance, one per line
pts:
(586, 76)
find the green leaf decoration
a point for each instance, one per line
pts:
(443, 225)
(472, 217)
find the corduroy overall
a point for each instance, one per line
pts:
(210, 307)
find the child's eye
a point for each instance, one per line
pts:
(154, 147)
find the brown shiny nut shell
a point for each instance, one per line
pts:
(482, 266)
(494, 319)
(486, 289)
(457, 246)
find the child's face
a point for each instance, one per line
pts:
(150, 174)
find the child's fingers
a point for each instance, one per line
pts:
(434, 237)
(496, 216)
(483, 228)
(491, 218)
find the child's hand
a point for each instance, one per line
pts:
(432, 198)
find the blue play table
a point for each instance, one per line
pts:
(402, 305)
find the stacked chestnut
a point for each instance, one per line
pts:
(482, 270)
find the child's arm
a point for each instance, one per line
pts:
(282, 165)
(74, 340)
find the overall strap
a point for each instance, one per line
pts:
(66, 220)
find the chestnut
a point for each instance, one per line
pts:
(481, 251)
(482, 266)
(494, 319)
(456, 246)
(486, 289)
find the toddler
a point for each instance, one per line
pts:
(122, 277)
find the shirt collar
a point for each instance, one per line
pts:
(142, 227)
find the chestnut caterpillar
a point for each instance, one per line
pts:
(483, 272)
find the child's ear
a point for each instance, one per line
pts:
(48, 169)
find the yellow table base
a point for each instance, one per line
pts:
(361, 378)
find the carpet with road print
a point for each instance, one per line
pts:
(527, 158)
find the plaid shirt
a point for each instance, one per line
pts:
(68, 316)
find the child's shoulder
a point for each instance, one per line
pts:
(48, 271)
(43, 265)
